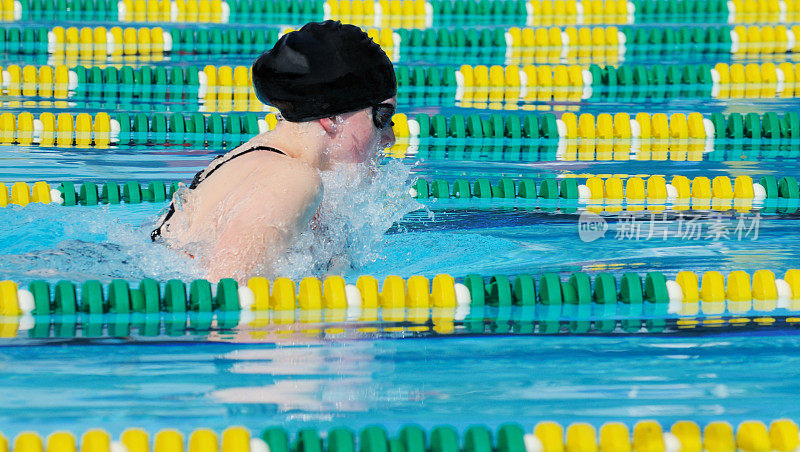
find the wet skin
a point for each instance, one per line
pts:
(249, 209)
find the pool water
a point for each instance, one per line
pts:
(104, 243)
(301, 379)
(315, 380)
(431, 380)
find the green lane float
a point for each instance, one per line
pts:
(88, 194)
(412, 14)
(621, 136)
(497, 87)
(529, 136)
(513, 45)
(632, 193)
(780, 435)
(551, 303)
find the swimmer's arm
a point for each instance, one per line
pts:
(238, 256)
(262, 226)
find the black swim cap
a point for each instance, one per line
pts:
(323, 69)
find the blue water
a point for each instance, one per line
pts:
(301, 380)
(257, 379)
(457, 381)
(261, 378)
(80, 243)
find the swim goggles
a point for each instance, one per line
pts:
(382, 115)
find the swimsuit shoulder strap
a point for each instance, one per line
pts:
(202, 175)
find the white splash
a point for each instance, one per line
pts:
(359, 204)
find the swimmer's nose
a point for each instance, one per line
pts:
(387, 138)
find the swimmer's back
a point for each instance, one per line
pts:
(242, 194)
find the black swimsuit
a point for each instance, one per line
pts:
(200, 177)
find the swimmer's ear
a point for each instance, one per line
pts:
(331, 124)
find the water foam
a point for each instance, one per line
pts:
(78, 243)
(358, 207)
(105, 242)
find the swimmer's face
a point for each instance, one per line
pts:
(358, 139)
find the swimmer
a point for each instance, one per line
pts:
(336, 92)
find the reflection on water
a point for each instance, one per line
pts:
(303, 381)
(318, 379)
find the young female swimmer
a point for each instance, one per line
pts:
(335, 89)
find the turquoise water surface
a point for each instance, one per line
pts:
(255, 378)
(459, 381)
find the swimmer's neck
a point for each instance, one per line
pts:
(303, 141)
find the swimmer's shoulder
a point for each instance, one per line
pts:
(284, 187)
(275, 170)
